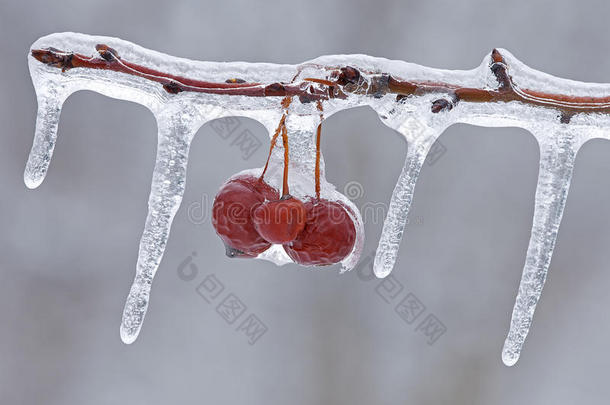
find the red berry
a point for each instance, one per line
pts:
(280, 221)
(231, 215)
(328, 237)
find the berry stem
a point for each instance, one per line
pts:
(285, 190)
(317, 174)
(272, 145)
(318, 136)
(285, 103)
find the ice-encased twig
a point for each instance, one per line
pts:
(175, 132)
(402, 196)
(558, 150)
(501, 91)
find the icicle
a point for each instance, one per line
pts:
(420, 138)
(558, 148)
(50, 97)
(398, 211)
(175, 134)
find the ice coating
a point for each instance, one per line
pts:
(417, 102)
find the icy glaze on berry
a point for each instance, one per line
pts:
(328, 236)
(280, 221)
(232, 215)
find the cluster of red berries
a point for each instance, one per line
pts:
(249, 215)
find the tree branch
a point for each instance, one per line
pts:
(340, 82)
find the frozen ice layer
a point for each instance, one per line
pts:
(417, 102)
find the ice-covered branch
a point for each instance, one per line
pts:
(339, 81)
(416, 101)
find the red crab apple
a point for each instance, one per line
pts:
(280, 221)
(328, 236)
(232, 215)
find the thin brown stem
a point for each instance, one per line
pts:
(110, 60)
(285, 104)
(272, 145)
(318, 136)
(285, 189)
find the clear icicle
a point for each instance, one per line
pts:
(169, 176)
(398, 210)
(50, 100)
(414, 122)
(558, 150)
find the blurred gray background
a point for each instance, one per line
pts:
(68, 249)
